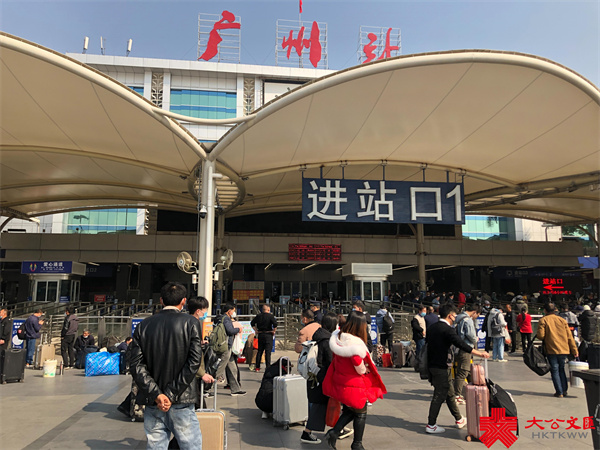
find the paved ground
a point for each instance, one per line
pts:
(72, 411)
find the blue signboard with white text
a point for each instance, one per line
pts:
(46, 267)
(15, 341)
(134, 324)
(374, 330)
(327, 200)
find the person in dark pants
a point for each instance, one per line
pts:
(511, 323)
(33, 325)
(440, 336)
(265, 325)
(5, 329)
(67, 334)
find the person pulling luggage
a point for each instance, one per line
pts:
(352, 378)
(440, 336)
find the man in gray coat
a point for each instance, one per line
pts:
(465, 328)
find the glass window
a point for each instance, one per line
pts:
(377, 291)
(40, 291)
(203, 104)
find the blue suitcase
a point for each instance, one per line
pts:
(102, 363)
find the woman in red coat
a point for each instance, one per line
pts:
(352, 378)
(524, 325)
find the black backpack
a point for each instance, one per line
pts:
(388, 323)
(21, 332)
(536, 361)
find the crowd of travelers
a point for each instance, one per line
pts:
(170, 359)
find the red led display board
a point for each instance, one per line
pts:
(557, 285)
(314, 252)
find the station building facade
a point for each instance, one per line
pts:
(131, 253)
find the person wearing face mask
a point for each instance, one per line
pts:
(419, 327)
(198, 307)
(228, 364)
(440, 336)
(465, 328)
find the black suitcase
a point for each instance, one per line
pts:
(12, 365)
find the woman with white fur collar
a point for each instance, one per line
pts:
(352, 378)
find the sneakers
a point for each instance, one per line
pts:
(257, 369)
(265, 415)
(460, 400)
(461, 422)
(434, 429)
(238, 394)
(346, 432)
(252, 367)
(309, 438)
(503, 360)
(369, 404)
(557, 395)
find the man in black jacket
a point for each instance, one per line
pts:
(440, 336)
(5, 329)
(67, 334)
(265, 326)
(165, 356)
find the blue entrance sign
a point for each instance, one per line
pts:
(46, 267)
(327, 200)
(15, 341)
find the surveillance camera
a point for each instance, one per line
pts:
(203, 211)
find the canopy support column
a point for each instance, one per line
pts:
(206, 237)
(421, 257)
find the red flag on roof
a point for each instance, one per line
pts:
(300, 6)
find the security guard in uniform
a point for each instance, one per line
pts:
(265, 326)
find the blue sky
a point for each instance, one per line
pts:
(567, 32)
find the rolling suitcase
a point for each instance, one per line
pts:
(290, 403)
(398, 354)
(42, 353)
(212, 424)
(12, 365)
(478, 401)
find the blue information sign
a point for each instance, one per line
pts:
(374, 330)
(15, 341)
(327, 200)
(134, 324)
(480, 333)
(43, 267)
